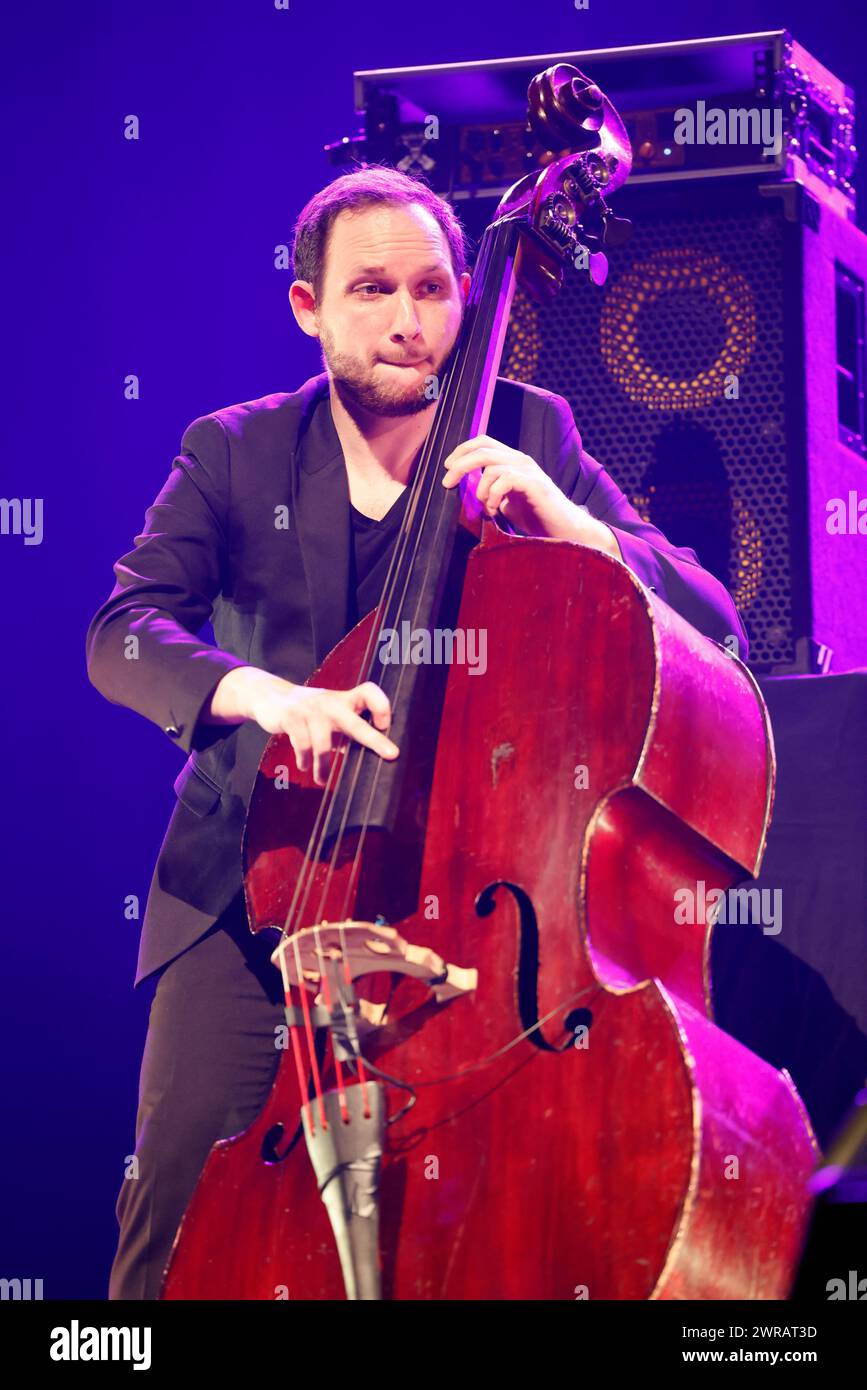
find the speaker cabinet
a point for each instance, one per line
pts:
(719, 377)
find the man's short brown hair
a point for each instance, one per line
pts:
(364, 187)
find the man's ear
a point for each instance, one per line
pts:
(465, 281)
(303, 302)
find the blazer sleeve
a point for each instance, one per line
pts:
(672, 572)
(164, 594)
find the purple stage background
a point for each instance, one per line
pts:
(156, 257)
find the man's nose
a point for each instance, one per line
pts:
(405, 323)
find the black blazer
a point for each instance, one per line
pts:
(252, 532)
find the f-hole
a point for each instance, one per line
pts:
(528, 957)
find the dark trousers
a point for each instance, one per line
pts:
(210, 1058)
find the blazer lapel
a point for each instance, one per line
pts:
(322, 519)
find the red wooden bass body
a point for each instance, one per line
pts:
(659, 1158)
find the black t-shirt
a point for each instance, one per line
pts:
(370, 554)
(371, 542)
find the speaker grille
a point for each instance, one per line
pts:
(675, 374)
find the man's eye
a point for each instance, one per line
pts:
(361, 289)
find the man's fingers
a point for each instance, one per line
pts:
(370, 696)
(465, 468)
(362, 732)
(322, 742)
(300, 740)
(323, 727)
(478, 441)
(488, 478)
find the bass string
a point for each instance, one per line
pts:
(488, 300)
(304, 881)
(424, 478)
(467, 407)
(441, 425)
(297, 909)
(336, 769)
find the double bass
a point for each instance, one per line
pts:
(500, 1076)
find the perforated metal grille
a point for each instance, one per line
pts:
(674, 371)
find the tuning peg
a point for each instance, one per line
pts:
(616, 230)
(598, 267)
(593, 263)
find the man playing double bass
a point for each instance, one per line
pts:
(277, 523)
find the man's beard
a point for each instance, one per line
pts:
(357, 388)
